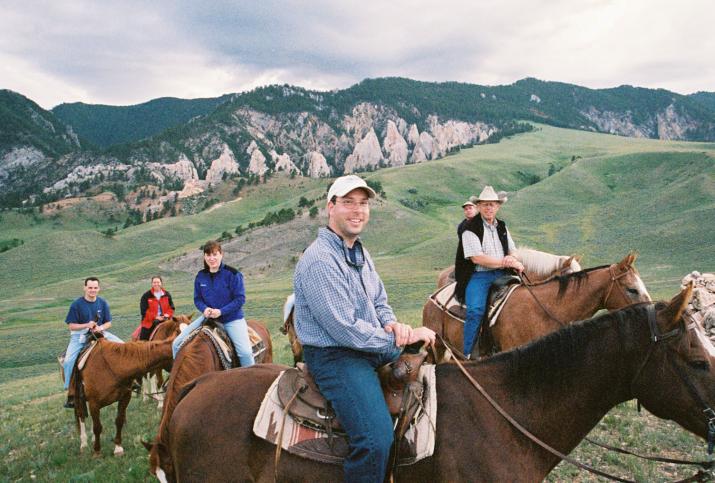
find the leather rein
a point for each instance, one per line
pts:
(614, 280)
(702, 475)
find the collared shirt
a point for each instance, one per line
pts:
(490, 245)
(338, 302)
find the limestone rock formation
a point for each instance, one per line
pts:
(282, 162)
(317, 165)
(395, 145)
(413, 136)
(367, 154)
(225, 163)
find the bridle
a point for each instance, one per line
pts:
(615, 277)
(655, 337)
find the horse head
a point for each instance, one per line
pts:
(626, 286)
(160, 464)
(677, 378)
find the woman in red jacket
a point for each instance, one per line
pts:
(156, 306)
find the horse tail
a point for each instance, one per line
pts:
(80, 401)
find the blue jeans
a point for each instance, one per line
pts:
(237, 331)
(347, 379)
(476, 300)
(79, 339)
(179, 338)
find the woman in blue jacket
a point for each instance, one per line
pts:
(219, 294)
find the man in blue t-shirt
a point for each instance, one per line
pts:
(87, 313)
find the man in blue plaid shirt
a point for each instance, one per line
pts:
(348, 330)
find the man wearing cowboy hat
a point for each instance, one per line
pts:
(348, 330)
(482, 256)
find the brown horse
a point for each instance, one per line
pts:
(558, 387)
(167, 329)
(195, 358)
(534, 311)
(538, 266)
(107, 378)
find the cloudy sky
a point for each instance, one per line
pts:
(128, 52)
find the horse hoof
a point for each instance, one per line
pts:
(118, 451)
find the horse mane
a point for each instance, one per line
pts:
(538, 262)
(561, 349)
(570, 278)
(137, 352)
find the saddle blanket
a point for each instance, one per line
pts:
(445, 298)
(311, 443)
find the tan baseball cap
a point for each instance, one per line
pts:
(345, 184)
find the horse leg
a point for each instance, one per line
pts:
(159, 383)
(121, 418)
(96, 427)
(82, 433)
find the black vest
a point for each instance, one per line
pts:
(464, 267)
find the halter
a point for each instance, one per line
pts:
(655, 338)
(614, 278)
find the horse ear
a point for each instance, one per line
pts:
(627, 261)
(679, 303)
(567, 263)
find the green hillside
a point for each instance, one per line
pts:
(24, 123)
(107, 125)
(571, 192)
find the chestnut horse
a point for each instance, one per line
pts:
(196, 357)
(536, 310)
(107, 378)
(558, 387)
(538, 266)
(155, 379)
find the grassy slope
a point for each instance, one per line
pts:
(619, 194)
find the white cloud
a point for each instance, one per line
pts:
(133, 51)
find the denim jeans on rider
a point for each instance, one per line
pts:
(237, 331)
(78, 339)
(476, 301)
(347, 379)
(179, 338)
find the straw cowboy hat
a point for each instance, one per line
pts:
(488, 194)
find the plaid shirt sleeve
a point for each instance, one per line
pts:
(510, 242)
(328, 296)
(471, 244)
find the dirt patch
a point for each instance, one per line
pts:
(106, 197)
(260, 249)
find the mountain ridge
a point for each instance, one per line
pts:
(373, 124)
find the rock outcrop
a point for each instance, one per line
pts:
(224, 164)
(317, 165)
(367, 154)
(702, 306)
(395, 145)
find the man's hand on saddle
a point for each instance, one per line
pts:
(511, 262)
(403, 333)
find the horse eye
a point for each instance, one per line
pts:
(633, 291)
(700, 364)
